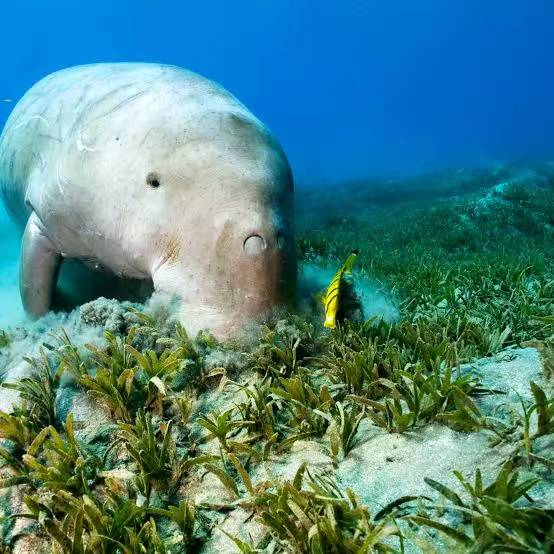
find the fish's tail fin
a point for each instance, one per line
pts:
(330, 321)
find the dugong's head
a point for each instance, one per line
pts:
(213, 197)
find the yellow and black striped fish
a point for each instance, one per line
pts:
(332, 297)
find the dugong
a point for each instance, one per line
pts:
(155, 173)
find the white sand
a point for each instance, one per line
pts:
(386, 466)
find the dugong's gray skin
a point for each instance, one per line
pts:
(151, 172)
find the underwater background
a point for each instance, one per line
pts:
(353, 90)
(420, 133)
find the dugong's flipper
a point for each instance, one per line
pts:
(38, 270)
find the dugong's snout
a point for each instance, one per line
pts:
(260, 277)
(268, 268)
(254, 272)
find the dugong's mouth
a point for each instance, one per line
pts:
(222, 323)
(217, 321)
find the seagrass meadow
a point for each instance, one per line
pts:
(423, 423)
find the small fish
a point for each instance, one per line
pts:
(7, 100)
(332, 297)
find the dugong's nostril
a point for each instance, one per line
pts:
(254, 244)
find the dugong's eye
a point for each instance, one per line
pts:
(254, 244)
(153, 180)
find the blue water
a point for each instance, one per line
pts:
(351, 88)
